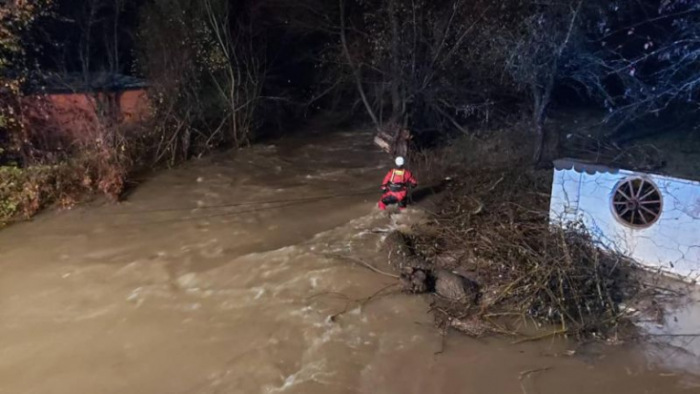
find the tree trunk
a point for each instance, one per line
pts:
(539, 139)
(396, 101)
(541, 96)
(355, 70)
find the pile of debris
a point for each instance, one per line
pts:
(496, 265)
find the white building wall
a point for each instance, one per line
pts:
(583, 193)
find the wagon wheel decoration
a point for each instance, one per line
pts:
(637, 202)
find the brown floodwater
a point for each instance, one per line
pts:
(220, 277)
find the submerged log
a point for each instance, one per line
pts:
(446, 284)
(419, 276)
(456, 287)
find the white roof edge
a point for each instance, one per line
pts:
(592, 169)
(581, 166)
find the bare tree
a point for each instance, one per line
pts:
(356, 70)
(238, 72)
(206, 64)
(16, 18)
(537, 53)
(172, 41)
(653, 50)
(417, 62)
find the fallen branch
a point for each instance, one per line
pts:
(675, 335)
(543, 336)
(527, 373)
(362, 301)
(362, 263)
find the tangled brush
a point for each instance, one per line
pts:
(493, 227)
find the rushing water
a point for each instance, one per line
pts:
(220, 277)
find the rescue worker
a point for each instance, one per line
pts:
(396, 184)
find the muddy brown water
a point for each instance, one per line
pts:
(220, 277)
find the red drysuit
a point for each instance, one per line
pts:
(395, 186)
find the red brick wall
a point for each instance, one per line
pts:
(134, 105)
(78, 112)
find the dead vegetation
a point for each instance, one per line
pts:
(491, 230)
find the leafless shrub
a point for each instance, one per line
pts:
(653, 50)
(206, 72)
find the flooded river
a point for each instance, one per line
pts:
(220, 277)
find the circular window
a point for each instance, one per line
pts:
(637, 202)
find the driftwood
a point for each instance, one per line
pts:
(383, 141)
(448, 285)
(472, 326)
(393, 140)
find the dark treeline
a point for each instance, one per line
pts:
(225, 72)
(436, 66)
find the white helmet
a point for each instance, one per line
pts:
(399, 161)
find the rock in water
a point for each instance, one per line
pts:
(456, 287)
(415, 280)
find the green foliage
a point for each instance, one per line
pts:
(26, 191)
(16, 18)
(23, 192)
(10, 192)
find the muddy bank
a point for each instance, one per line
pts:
(221, 277)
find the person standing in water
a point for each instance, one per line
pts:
(396, 185)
